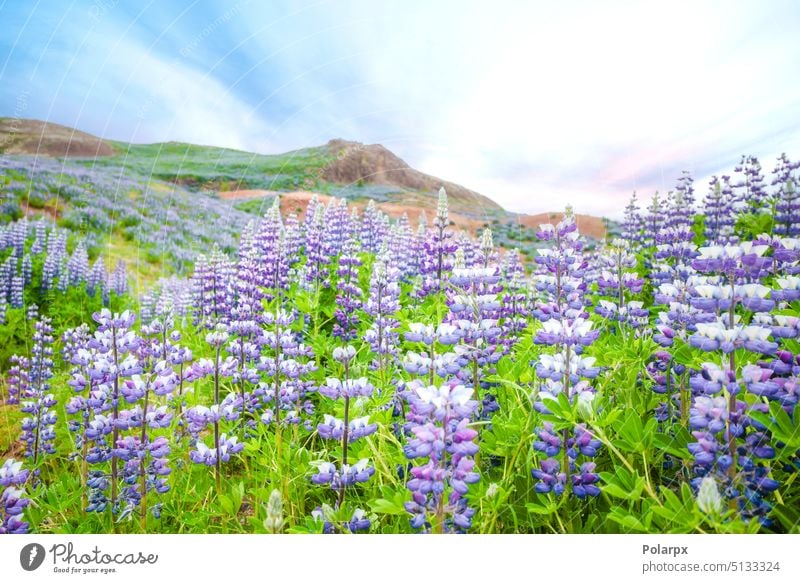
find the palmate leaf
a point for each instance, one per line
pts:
(392, 502)
(623, 484)
(545, 508)
(627, 520)
(633, 435)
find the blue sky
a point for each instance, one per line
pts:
(536, 104)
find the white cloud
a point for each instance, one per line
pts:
(534, 104)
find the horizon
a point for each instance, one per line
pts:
(614, 105)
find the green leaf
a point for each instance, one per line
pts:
(673, 444)
(543, 509)
(780, 424)
(626, 520)
(623, 484)
(392, 503)
(226, 503)
(682, 353)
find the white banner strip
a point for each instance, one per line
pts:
(331, 558)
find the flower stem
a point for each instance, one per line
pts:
(216, 421)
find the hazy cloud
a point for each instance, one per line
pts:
(533, 104)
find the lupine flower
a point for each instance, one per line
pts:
(439, 418)
(286, 361)
(515, 299)
(719, 212)
(38, 431)
(708, 497)
(475, 311)
(12, 505)
(348, 297)
(749, 187)
(438, 249)
(566, 328)
(729, 445)
(346, 430)
(274, 520)
(110, 358)
(211, 283)
(227, 409)
(12, 499)
(382, 304)
(315, 273)
(787, 198)
(632, 225)
(18, 379)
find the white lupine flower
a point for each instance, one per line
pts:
(709, 499)
(789, 282)
(274, 520)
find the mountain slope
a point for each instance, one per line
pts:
(30, 136)
(246, 180)
(356, 162)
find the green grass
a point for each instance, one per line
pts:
(221, 168)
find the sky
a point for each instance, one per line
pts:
(534, 104)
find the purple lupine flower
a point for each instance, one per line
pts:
(54, 259)
(78, 265)
(727, 439)
(222, 452)
(146, 458)
(212, 278)
(27, 269)
(113, 347)
(475, 310)
(12, 499)
(348, 297)
(199, 416)
(619, 283)
(749, 189)
(12, 473)
(439, 423)
(719, 212)
(315, 269)
(371, 234)
(653, 221)
(16, 292)
(515, 310)
(632, 224)
(293, 239)
(346, 429)
(438, 249)
(382, 304)
(38, 431)
(269, 261)
(787, 197)
(285, 360)
(337, 227)
(18, 379)
(561, 283)
(39, 237)
(245, 350)
(97, 278)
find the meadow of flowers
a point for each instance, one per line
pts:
(345, 373)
